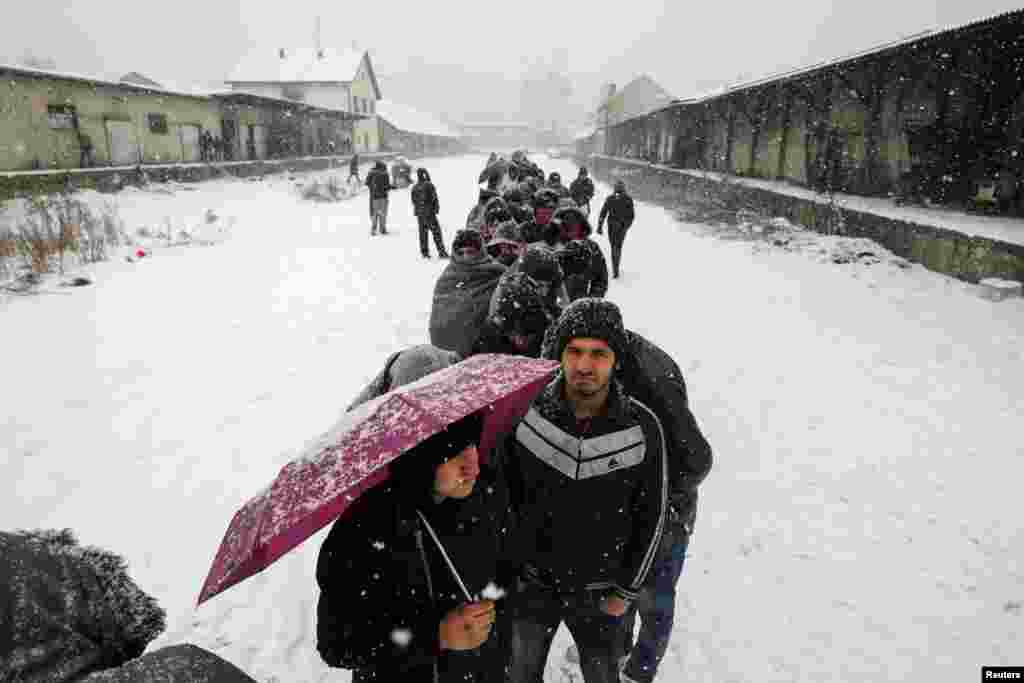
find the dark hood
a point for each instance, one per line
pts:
(567, 211)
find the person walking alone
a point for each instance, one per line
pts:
(618, 208)
(426, 207)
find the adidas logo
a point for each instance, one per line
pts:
(613, 463)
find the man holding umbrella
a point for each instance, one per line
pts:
(587, 468)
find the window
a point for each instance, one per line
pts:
(61, 116)
(157, 123)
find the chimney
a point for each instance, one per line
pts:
(280, 52)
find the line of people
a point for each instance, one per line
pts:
(463, 566)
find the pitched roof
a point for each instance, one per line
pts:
(190, 91)
(299, 65)
(918, 37)
(640, 96)
(404, 117)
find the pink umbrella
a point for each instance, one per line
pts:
(351, 458)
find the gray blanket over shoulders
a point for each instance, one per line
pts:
(68, 610)
(403, 367)
(462, 297)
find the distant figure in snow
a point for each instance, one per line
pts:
(582, 190)
(353, 168)
(426, 207)
(380, 184)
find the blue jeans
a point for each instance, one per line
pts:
(657, 607)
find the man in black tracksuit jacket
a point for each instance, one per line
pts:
(618, 208)
(587, 471)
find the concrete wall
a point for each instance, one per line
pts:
(27, 141)
(962, 256)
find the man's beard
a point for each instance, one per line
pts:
(591, 387)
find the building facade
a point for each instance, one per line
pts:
(937, 113)
(339, 80)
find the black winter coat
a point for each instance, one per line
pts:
(592, 278)
(381, 575)
(618, 208)
(651, 376)
(424, 199)
(582, 190)
(379, 183)
(591, 506)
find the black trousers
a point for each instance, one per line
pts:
(616, 236)
(535, 616)
(430, 224)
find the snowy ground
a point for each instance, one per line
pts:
(862, 522)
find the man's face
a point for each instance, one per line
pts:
(457, 477)
(587, 364)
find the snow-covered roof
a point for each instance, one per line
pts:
(298, 65)
(186, 91)
(875, 49)
(404, 117)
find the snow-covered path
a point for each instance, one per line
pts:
(861, 522)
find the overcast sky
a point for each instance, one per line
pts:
(685, 46)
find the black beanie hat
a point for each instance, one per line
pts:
(574, 258)
(519, 306)
(541, 263)
(587, 317)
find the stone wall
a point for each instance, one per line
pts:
(946, 251)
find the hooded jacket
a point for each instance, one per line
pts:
(583, 263)
(476, 215)
(650, 375)
(385, 587)
(582, 190)
(424, 195)
(591, 506)
(462, 297)
(540, 263)
(618, 208)
(378, 182)
(67, 610)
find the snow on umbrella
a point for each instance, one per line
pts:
(333, 471)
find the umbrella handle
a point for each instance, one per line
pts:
(444, 554)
